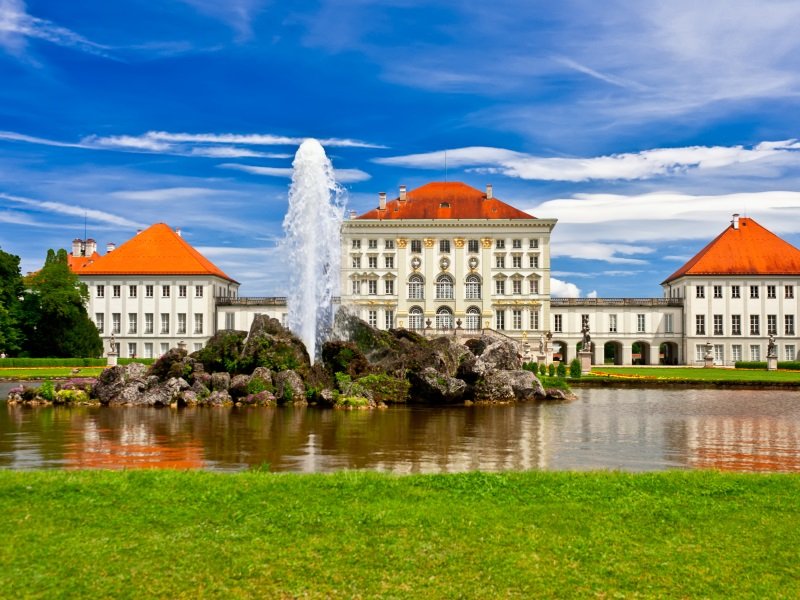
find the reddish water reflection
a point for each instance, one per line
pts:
(632, 430)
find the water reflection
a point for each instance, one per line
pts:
(632, 430)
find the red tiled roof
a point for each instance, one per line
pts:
(446, 200)
(157, 250)
(748, 250)
(77, 263)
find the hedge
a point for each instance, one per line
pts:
(790, 365)
(67, 362)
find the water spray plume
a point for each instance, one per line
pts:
(312, 226)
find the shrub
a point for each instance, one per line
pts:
(71, 397)
(352, 402)
(750, 364)
(542, 369)
(551, 370)
(257, 385)
(561, 370)
(555, 382)
(575, 368)
(385, 388)
(348, 387)
(47, 391)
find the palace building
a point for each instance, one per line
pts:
(449, 259)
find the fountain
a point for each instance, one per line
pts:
(312, 227)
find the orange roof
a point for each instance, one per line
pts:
(76, 263)
(747, 250)
(157, 250)
(450, 200)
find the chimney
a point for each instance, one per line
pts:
(735, 221)
(402, 193)
(178, 231)
(489, 191)
(76, 246)
(352, 214)
(138, 231)
(382, 201)
(110, 247)
(91, 247)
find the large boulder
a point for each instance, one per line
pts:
(173, 363)
(121, 384)
(269, 344)
(239, 385)
(500, 354)
(504, 386)
(220, 381)
(222, 351)
(289, 387)
(344, 357)
(432, 386)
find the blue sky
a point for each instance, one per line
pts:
(641, 126)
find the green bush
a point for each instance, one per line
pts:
(561, 370)
(385, 388)
(47, 391)
(551, 370)
(256, 385)
(351, 402)
(575, 369)
(555, 382)
(791, 365)
(71, 397)
(542, 370)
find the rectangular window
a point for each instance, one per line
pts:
(444, 245)
(132, 322)
(132, 289)
(356, 262)
(164, 347)
(198, 323)
(356, 287)
(165, 291)
(372, 287)
(534, 243)
(388, 262)
(533, 262)
(148, 322)
(735, 292)
(717, 291)
(198, 291)
(388, 287)
(516, 286)
(516, 243)
(116, 291)
(719, 354)
(755, 328)
(500, 287)
(700, 351)
(736, 324)
(372, 262)
(148, 291)
(736, 353)
(230, 320)
(416, 246)
(500, 320)
(790, 352)
(788, 292)
(473, 246)
(772, 324)
(772, 292)
(372, 244)
(181, 323)
(516, 262)
(356, 244)
(788, 324)
(101, 291)
(100, 321)
(500, 244)
(181, 291)
(534, 284)
(558, 323)
(754, 291)
(668, 325)
(612, 323)
(164, 322)
(718, 328)
(389, 319)
(700, 291)
(534, 319)
(755, 353)
(132, 349)
(640, 323)
(372, 318)
(388, 244)
(516, 318)
(500, 262)
(148, 349)
(584, 321)
(700, 325)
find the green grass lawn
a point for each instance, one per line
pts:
(48, 372)
(690, 374)
(173, 534)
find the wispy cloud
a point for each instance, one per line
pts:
(238, 14)
(17, 26)
(342, 175)
(170, 194)
(72, 210)
(627, 166)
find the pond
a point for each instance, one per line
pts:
(626, 429)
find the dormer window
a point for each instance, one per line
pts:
(444, 205)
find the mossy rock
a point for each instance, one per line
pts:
(385, 388)
(222, 351)
(344, 357)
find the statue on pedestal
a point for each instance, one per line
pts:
(586, 342)
(772, 348)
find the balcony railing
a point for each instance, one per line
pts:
(616, 302)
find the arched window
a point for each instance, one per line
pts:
(473, 287)
(415, 318)
(444, 318)
(473, 318)
(416, 287)
(444, 287)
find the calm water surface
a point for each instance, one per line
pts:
(631, 430)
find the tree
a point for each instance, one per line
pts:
(54, 312)
(11, 290)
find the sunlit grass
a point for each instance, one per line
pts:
(696, 374)
(49, 372)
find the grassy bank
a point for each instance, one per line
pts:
(48, 372)
(672, 375)
(261, 535)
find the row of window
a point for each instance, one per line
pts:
(473, 246)
(472, 320)
(133, 349)
(755, 291)
(149, 291)
(133, 323)
(789, 350)
(445, 287)
(500, 262)
(641, 323)
(736, 325)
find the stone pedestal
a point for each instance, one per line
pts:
(772, 363)
(708, 362)
(111, 360)
(586, 362)
(541, 359)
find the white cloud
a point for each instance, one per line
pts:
(75, 211)
(170, 194)
(592, 294)
(588, 250)
(627, 166)
(562, 289)
(239, 14)
(248, 139)
(342, 175)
